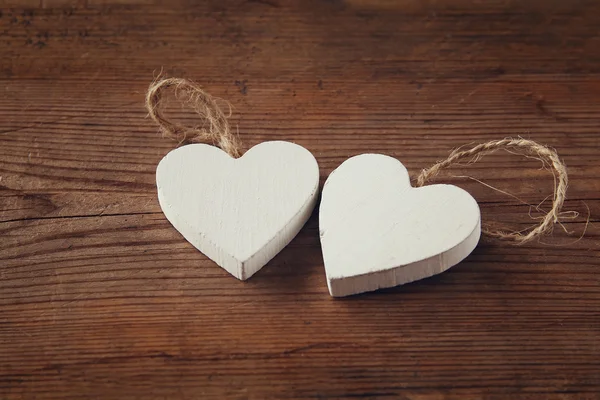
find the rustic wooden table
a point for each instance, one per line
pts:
(101, 298)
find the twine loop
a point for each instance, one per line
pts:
(523, 147)
(215, 127)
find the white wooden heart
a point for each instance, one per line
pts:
(378, 231)
(238, 212)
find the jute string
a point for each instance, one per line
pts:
(215, 130)
(215, 127)
(523, 147)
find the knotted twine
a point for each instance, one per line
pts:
(219, 134)
(215, 129)
(525, 147)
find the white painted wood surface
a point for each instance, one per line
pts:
(238, 212)
(377, 231)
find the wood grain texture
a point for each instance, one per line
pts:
(101, 298)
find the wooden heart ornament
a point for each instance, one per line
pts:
(238, 212)
(378, 231)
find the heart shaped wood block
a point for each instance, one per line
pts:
(238, 212)
(378, 231)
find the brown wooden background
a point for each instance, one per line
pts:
(101, 298)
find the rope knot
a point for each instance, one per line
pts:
(215, 127)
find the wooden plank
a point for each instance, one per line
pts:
(101, 298)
